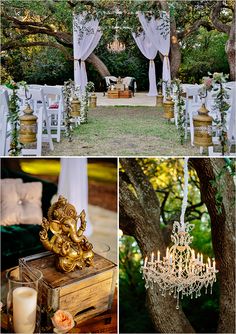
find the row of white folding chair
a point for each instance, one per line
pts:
(52, 95)
(41, 111)
(54, 103)
(193, 108)
(37, 103)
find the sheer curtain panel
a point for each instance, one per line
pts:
(86, 35)
(149, 51)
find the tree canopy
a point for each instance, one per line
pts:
(150, 200)
(35, 29)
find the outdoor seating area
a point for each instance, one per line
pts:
(47, 105)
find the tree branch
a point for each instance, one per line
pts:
(215, 14)
(196, 25)
(63, 38)
(12, 45)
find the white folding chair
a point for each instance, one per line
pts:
(4, 133)
(53, 98)
(231, 122)
(192, 105)
(37, 103)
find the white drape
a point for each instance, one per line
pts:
(158, 31)
(86, 35)
(73, 185)
(149, 51)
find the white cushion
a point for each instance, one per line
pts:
(20, 202)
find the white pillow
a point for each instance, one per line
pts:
(20, 202)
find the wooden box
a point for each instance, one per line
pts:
(84, 293)
(126, 94)
(113, 94)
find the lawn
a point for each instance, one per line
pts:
(124, 131)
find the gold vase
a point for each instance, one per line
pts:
(168, 106)
(75, 107)
(159, 100)
(93, 101)
(203, 127)
(28, 126)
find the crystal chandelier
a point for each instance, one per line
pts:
(116, 45)
(181, 272)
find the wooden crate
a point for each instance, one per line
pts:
(113, 94)
(84, 293)
(126, 94)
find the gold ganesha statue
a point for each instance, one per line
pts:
(72, 249)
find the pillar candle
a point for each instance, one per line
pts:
(152, 258)
(158, 256)
(167, 252)
(24, 309)
(209, 262)
(145, 262)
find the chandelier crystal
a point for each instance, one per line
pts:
(116, 45)
(181, 272)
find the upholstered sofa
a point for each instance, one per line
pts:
(19, 240)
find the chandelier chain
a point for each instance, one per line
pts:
(185, 198)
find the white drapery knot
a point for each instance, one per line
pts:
(167, 60)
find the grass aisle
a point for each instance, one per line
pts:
(124, 131)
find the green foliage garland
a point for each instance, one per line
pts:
(222, 106)
(84, 102)
(180, 105)
(67, 93)
(14, 118)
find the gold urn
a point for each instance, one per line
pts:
(28, 126)
(203, 127)
(159, 100)
(75, 107)
(168, 106)
(93, 101)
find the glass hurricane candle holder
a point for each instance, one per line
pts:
(23, 308)
(101, 248)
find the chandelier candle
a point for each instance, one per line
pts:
(180, 273)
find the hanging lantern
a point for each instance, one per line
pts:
(28, 126)
(180, 272)
(93, 101)
(159, 99)
(203, 127)
(75, 107)
(168, 106)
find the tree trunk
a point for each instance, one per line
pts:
(223, 232)
(229, 30)
(98, 64)
(140, 217)
(175, 50)
(230, 48)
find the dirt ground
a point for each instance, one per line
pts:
(123, 131)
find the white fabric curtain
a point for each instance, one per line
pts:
(164, 45)
(149, 51)
(86, 35)
(158, 31)
(73, 185)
